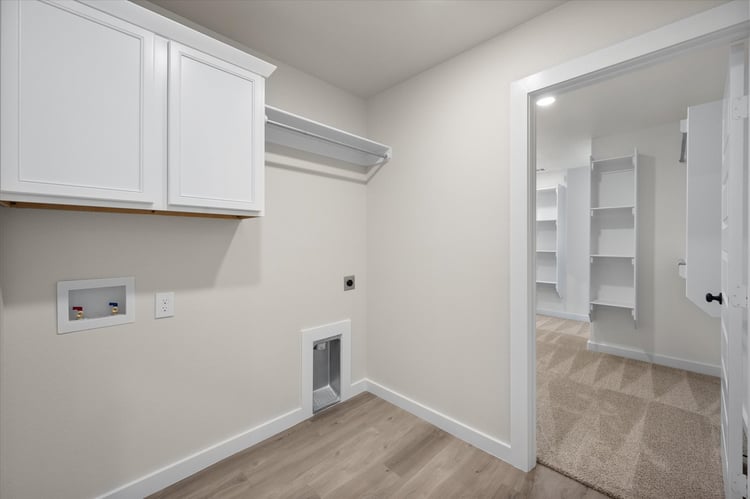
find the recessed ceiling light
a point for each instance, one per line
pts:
(545, 101)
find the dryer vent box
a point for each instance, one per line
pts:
(326, 373)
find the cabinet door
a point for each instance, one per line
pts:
(80, 111)
(703, 224)
(216, 134)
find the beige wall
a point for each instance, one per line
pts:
(295, 91)
(438, 214)
(83, 413)
(668, 323)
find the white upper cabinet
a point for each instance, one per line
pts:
(109, 105)
(216, 133)
(80, 114)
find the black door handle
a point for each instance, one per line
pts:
(719, 298)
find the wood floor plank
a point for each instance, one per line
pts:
(428, 480)
(480, 475)
(548, 483)
(278, 458)
(374, 481)
(417, 447)
(368, 448)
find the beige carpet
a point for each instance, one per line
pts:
(627, 428)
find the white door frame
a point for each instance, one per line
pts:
(730, 21)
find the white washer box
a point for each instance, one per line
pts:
(96, 297)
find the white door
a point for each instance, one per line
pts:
(734, 273)
(81, 114)
(216, 133)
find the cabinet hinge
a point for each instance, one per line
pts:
(740, 108)
(738, 298)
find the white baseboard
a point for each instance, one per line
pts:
(358, 387)
(490, 445)
(564, 315)
(662, 360)
(173, 473)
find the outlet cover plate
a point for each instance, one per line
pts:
(164, 305)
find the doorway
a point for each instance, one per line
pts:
(699, 31)
(627, 365)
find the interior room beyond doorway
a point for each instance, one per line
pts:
(626, 362)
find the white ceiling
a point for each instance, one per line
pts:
(647, 97)
(362, 46)
(367, 46)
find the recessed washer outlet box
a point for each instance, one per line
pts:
(94, 303)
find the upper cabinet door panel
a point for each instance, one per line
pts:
(80, 110)
(216, 133)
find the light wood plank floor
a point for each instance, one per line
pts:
(366, 447)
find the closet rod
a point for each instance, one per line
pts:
(384, 157)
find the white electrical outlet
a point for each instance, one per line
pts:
(164, 305)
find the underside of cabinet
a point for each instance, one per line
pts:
(134, 211)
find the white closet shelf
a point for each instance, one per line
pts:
(297, 132)
(612, 303)
(613, 245)
(614, 159)
(550, 232)
(612, 165)
(621, 207)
